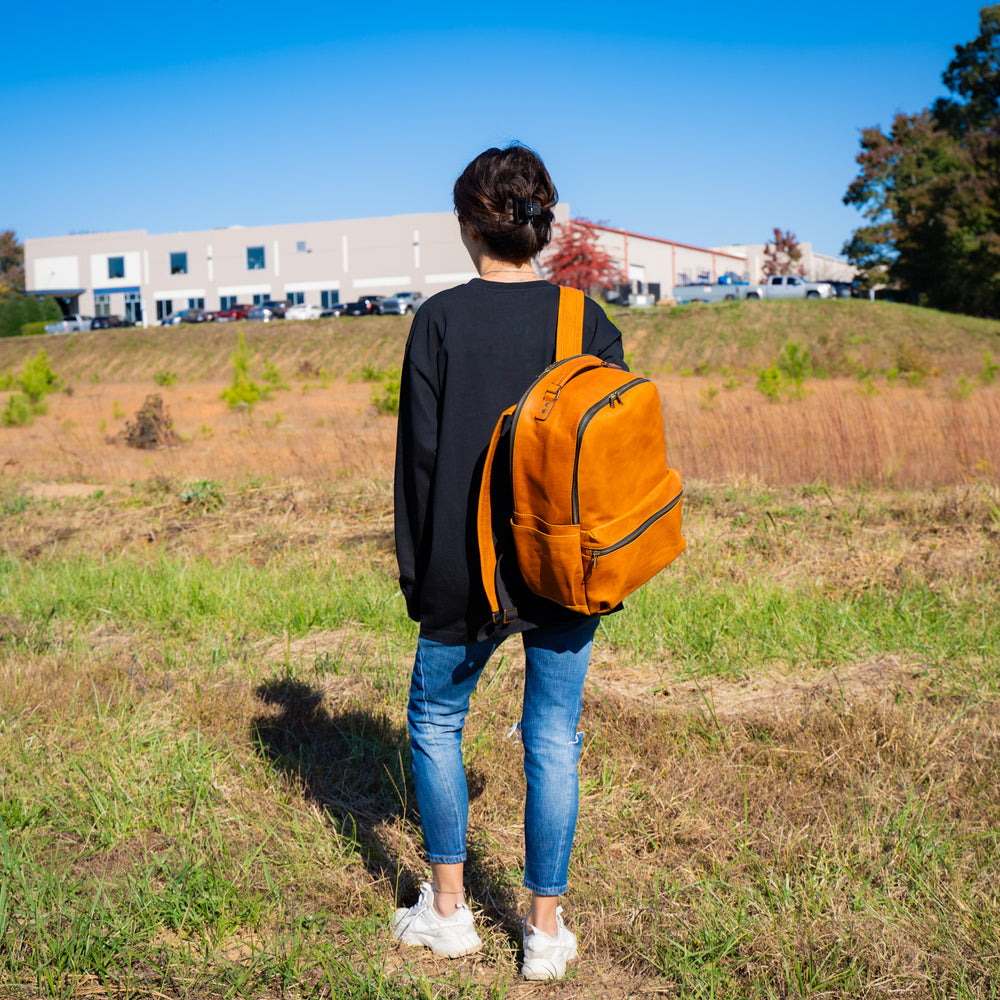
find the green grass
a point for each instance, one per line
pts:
(789, 782)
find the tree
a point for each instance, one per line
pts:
(21, 309)
(13, 315)
(930, 189)
(576, 258)
(782, 255)
(11, 265)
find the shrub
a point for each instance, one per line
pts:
(273, 377)
(33, 329)
(989, 371)
(152, 427)
(50, 310)
(165, 377)
(37, 379)
(18, 412)
(771, 382)
(385, 397)
(205, 494)
(243, 391)
(794, 362)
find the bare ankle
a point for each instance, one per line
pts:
(542, 915)
(447, 902)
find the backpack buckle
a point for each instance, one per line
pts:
(505, 616)
(548, 401)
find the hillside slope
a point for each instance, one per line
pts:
(843, 337)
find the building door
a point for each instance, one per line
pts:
(133, 307)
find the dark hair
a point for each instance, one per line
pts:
(485, 198)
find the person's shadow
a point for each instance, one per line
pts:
(355, 765)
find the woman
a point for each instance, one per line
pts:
(471, 353)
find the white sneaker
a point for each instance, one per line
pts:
(545, 957)
(449, 937)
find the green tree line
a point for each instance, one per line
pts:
(929, 189)
(18, 311)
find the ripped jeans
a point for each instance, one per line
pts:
(443, 680)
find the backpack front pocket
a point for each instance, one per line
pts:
(548, 556)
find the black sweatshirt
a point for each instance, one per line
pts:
(472, 352)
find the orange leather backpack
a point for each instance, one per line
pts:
(596, 509)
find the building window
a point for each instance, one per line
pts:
(295, 298)
(257, 299)
(227, 301)
(196, 303)
(329, 299)
(116, 267)
(300, 246)
(164, 307)
(179, 263)
(102, 305)
(255, 259)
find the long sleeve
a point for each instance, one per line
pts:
(416, 455)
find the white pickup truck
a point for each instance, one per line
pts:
(726, 289)
(777, 286)
(790, 286)
(73, 323)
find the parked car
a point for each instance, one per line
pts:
(790, 286)
(73, 323)
(401, 303)
(235, 311)
(186, 316)
(367, 305)
(305, 311)
(337, 309)
(266, 311)
(107, 322)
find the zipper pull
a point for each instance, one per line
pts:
(614, 398)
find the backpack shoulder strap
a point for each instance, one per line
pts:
(569, 332)
(501, 607)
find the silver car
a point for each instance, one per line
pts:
(401, 303)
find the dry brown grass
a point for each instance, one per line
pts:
(311, 430)
(834, 435)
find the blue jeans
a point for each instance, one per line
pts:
(444, 678)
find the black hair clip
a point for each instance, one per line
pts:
(524, 210)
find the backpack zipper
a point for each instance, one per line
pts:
(633, 535)
(610, 400)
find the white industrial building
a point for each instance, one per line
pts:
(145, 276)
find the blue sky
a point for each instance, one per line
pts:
(702, 123)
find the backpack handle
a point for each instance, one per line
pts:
(569, 343)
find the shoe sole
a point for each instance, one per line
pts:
(467, 945)
(540, 969)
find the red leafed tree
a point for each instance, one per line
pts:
(782, 254)
(576, 258)
(11, 265)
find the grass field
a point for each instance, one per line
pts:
(791, 775)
